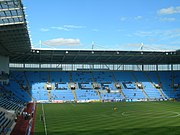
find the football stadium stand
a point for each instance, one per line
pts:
(50, 86)
(30, 76)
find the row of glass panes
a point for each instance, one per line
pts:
(11, 20)
(9, 4)
(8, 13)
(74, 67)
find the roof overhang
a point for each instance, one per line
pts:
(15, 43)
(14, 37)
(97, 57)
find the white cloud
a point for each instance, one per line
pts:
(68, 27)
(73, 26)
(165, 19)
(61, 28)
(131, 18)
(120, 30)
(62, 42)
(170, 33)
(161, 35)
(123, 18)
(138, 46)
(95, 30)
(44, 29)
(144, 33)
(169, 10)
(138, 17)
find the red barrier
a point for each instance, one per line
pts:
(22, 123)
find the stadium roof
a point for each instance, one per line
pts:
(97, 57)
(15, 43)
(14, 37)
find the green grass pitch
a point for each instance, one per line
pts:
(135, 118)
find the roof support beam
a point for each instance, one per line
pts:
(3, 46)
(13, 23)
(11, 17)
(52, 56)
(75, 58)
(8, 9)
(63, 57)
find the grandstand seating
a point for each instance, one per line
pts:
(65, 95)
(56, 86)
(17, 84)
(60, 85)
(10, 106)
(85, 86)
(151, 91)
(167, 84)
(177, 82)
(109, 86)
(133, 94)
(38, 91)
(112, 96)
(6, 119)
(103, 77)
(86, 95)
(81, 77)
(10, 101)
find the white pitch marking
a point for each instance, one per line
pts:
(176, 114)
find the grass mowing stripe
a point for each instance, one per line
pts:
(44, 120)
(39, 126)
(99, 118)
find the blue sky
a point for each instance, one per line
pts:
(108, 24)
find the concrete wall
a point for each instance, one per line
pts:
(4, 64)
